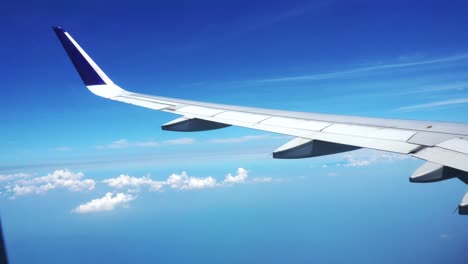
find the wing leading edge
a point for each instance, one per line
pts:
(443, 145)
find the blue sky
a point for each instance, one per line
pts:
(148, 195)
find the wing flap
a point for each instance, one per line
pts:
(429, 138)
(372, 132)
(455, 144)
(445, 157)
(452, 153)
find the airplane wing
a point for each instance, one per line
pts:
(443, 145)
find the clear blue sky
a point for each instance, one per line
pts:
(83, 179)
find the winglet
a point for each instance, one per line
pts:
(89, 72)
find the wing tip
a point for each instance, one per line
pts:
(58, 29)
(89, 72)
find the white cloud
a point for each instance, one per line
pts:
(15, 176)
(118, 144)
(125, 180)
(59, 179)
(180, 181)
(366, 158)
(433, 104)
(351, 161)
(175, 181)
(180, 141)
(24, 184)
(107, 203)
(239, 139)
(184, 182)
(262, 180)
(240, 177)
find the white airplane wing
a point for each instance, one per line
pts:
(443, 145)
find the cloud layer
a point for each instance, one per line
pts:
(124, 187)
(175, 181)
(126, 181)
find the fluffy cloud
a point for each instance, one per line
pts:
(15, 176)
(21, 184)
(184, 182)
(133, 182)
(180, 181)
(59, 179)
(175, 181)
(107, 203)
(240, 177)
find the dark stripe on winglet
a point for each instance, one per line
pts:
(86, 71)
